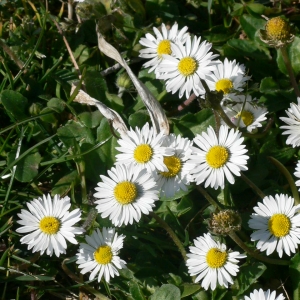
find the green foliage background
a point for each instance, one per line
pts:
(65, 146)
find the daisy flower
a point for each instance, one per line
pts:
(217, 158)
(192, 61)
(100, 254)
(277, 225)
(212, 263)
(161, 44)
(177, 177)
(293, 124)
(126, 194)
(143, 148)
(297, 174)
(50, 224)
(228, 77)
(247, 115)
(261, 295)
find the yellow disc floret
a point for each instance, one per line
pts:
(142, 153)
(125, 192)
(278, 29)
(187, 66)
(173, 164)
(217, 156)
(246, 116)
(215, 258)
(103, 255)
(49, 225)
(164, 47)
(279, 225)
(225, 85)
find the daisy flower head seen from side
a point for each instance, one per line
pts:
(246, 115)
(293, 124)
(159, 45)
(297, 174)
(261, 295)
(143, 148)
(212, 263)
(49, 224)
(228, 77)
(100, 254)
(190, 63)
(126, 194)
(277, 225)
(177, 177)
(217, 158)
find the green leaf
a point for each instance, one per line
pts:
(56, 104)
(295, 275)
(95, 85)
(75, 132)
(139, 119)
(34, 278)
(27, 167)
(251, 24)
(91, 119)
(136, 291)
(293, 53)
(166, 292)
(256, 8)
(189, 289)
(202, 295)
(64, 184)
(268, 85)
(247, 276)
(15, 104)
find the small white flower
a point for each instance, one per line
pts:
(228, 77)
(100, 254)
(261, 295)
(218, 157)
(192, 61)
(143, 148)
(50, 224)
(161, 44)
(247, 115)
(297, 174)
(212, 263)
(126, 194)
(177, 177)
(277, 225)
(293, 124)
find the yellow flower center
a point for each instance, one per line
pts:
(143, 153)
(246, 116)
(217, 156)
(225, 85)
(187, 66)
(50, 225)
(279, 225)
(173, 164)
(103, 255)
(125, 192)
(164, 47)
(278, 29)
(215, 258)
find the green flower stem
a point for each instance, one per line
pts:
(172, 234)
(288, 177)
(253, 186)
(208, 197)
(255, 255)
(289, 68)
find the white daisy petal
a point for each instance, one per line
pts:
(261, 295)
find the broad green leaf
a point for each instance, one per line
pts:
(73, 133)
(27, 167)
(139, 119)
(293, 53)
(15, 104)
(256, 8)
(247, 276)
(64, 184)
(202, 295)
(136, 291)
(115, 102)
(91, 119)
(49, 118)
(295, 275)
(95, 85)
(166, 292)
(56, 104)
(268, 85)
(251, 24)
(189, 289)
